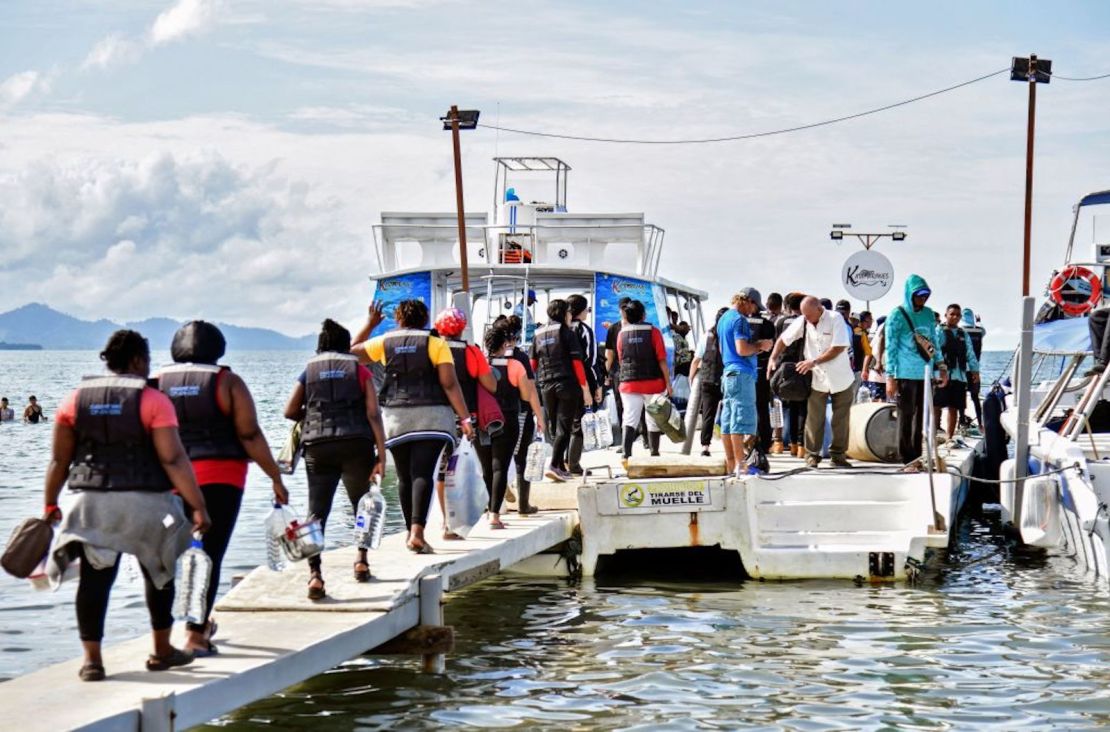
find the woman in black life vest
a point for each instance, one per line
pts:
(420, 402)
(514, 387)
(530, 410)
(709, 365)
(342, 434)
(116, 444)
(219, 428)
(561, 370)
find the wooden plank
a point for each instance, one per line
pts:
(670, 465)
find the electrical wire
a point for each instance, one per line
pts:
(1080, 78)
(751, 135)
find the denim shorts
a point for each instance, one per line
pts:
(738, 414)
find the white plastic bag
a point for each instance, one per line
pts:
(680, 386)
(589, 430)
(464, 496)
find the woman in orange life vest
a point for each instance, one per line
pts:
(342, 434)
(514, 388)
(472, 371)
(421, 400)
(219, 428)
(116, 445)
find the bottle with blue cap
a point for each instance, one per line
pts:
(194, 570)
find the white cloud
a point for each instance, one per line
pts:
(183, 18)
(18, 87)
(112, 50)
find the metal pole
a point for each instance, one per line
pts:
(431, 613)
(454, 115)
(1029, 173)
(1024, 377)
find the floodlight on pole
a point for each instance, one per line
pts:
(839, 231)
(1032, 71)
(453, 121)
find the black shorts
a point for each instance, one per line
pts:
(953, 395)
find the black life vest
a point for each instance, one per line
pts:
(553, 361)
(976, 334)
(521, 356)
(114, 451)
(508, 396)
(712, 365)
(639, 361)
(206, 432)
(411, 379)
(335, 405)
(467, 383)
(795, 352)
(762, 329)
(954, 348)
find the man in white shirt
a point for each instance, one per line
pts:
(7, 414)
(826, 357)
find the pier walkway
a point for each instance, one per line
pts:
(271, 636)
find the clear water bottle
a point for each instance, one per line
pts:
(131, 569)
(539, 452)
(604, 429)
(776, 414)
(370, 518)
(589, 431)
(276, 523)
(194, 569)
(863, 395)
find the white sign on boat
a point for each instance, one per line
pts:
(867, 275)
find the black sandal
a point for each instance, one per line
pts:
(362, 575)
(92, 672)
(176, 657)
(316, 593)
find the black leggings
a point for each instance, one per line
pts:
(96, 586)
(561, 407)
(326, 463)
(708, 402)
(416, 464)
(796, 413)
(524, 439)
(223, 502)
(495, 459)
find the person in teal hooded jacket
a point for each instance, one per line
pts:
(905, 366)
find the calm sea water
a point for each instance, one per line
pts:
(992, 638)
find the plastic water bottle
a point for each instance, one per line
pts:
(863, 395)
(776, 414)
(194, 569)
(604, 429)
(538, 454)
(370, 519)
(589, 431)
(276, 523)
(131, 569)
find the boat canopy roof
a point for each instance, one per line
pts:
(1095, 199)
(1066, 337)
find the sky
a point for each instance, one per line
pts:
(226, 159)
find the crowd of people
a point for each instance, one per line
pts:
(813, 355)
(153, 460)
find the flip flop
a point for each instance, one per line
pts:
(176, 658)
(424, 548)
(91, 672)
(496, 525)
(451, 536)
(316, 593)
(211, 650)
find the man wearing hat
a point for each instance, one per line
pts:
(739, 349)
(906, 357)
(763, 329)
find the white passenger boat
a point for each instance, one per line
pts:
(873, 522)
(1063, 503)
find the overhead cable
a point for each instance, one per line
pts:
(1081, 78)
(750, 135)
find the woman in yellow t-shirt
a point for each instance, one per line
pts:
(420, 400)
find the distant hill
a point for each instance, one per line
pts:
(40, 324)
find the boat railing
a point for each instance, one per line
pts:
(541, 244)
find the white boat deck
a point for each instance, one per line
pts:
(271, 636)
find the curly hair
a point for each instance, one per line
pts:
(333, 338)
(411, 314)
(496, 338)
(124, 346)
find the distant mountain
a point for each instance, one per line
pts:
(42, 325)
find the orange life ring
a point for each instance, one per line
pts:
(1076, 290)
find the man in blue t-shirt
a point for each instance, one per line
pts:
(739, 355)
